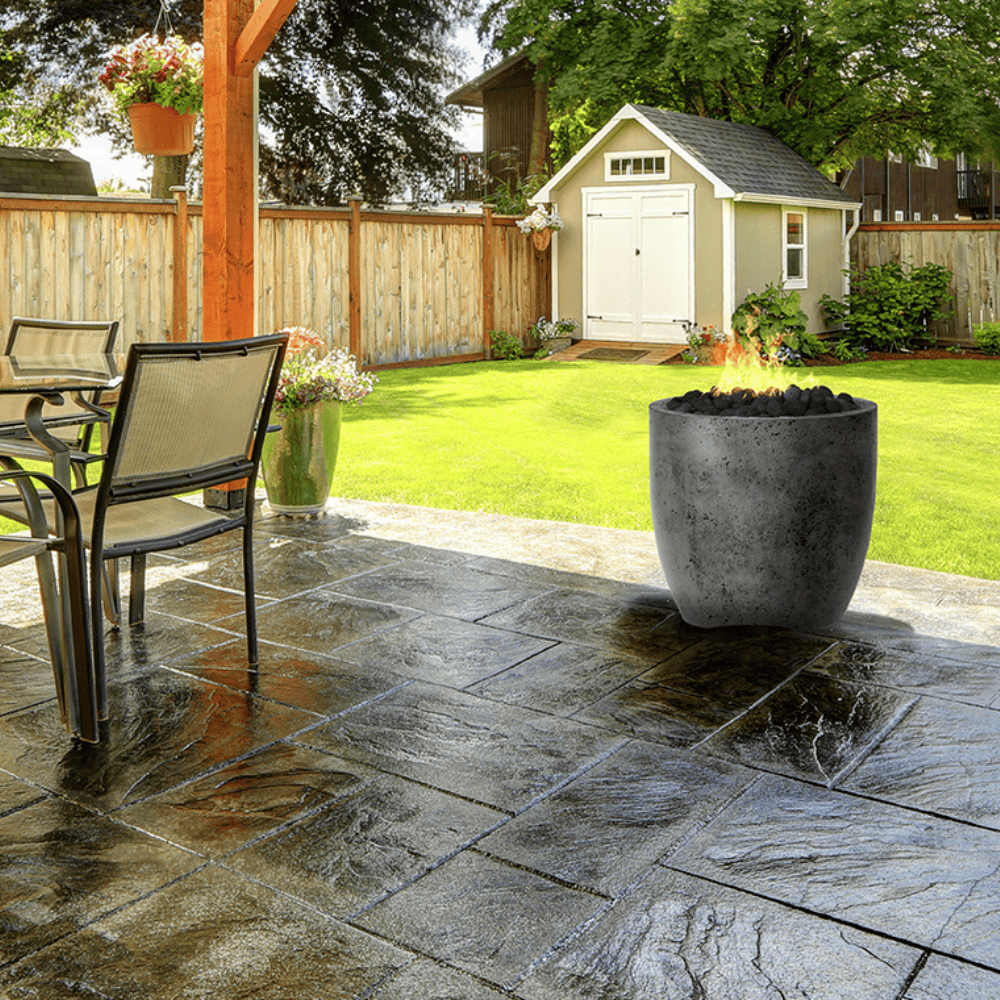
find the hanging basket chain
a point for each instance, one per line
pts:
(164, 16)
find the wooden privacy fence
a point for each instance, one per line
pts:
(394, 288)
(970, 250)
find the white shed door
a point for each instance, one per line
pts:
(638, 281)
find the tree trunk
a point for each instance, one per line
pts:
(538, 156)
(168, 172)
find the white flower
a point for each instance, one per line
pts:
(540, 219)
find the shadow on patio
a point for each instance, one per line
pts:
(485, 758)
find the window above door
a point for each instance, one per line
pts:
(638, 164)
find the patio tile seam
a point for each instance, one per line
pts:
(918, 967)
(866, 751)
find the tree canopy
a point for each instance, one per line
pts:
(834, 79)
(351, 91)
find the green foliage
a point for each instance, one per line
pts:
(506, 346)
(33, 114)
(890, 305)
(843, 350)
(988, 337)
(776, 320)
(510, 192)
(168, 73)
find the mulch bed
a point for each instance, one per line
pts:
(920, 354)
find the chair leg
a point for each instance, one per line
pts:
(98, 582)
(51, 607)
(111, 595)
(249, 595)
(137, 590)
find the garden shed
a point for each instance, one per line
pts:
(671, 219)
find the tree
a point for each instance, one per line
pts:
(30, 113)
(351, 91)
(834, 79)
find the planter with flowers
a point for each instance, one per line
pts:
(553, 336)
(159, 87)
(541, 225)
(299, 460)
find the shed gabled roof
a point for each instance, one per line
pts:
(742, 161)
(44, 171)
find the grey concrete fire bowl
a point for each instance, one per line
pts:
(763, 520)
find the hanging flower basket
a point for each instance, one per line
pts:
(541, 238)
(159, 131)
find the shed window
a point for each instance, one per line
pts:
(794, 248)
(639, 164)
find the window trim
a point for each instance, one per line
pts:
(802, 281)
(631, 154)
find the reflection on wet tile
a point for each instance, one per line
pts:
(481, 915)
(491, 753)
(61, 867)
(227, 809)
(164, 728)
(610, 824)
(453, 590)
(944, 757)
(945, 979)
(310, 681)
(442, 650)
(24, 680)
(426, 980)
(676, 936)
(813, 727)
(212, 934)
(196, 602)
(359, 849)
(562, 679)
(16, 794)
(868, 863)
(574, 616)
(328, 528)
(975, 680)
(324, 621)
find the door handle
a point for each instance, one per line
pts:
(637, 251)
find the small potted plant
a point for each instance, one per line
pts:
(554, 336)
(541, 225)
(159, 87)
(298, 460)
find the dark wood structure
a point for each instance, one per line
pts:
(45, 171)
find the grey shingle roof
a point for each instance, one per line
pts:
(44, 171)
(748, 159)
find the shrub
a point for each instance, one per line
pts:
(506, 346)
(775, 318)
(988, 337)
(890, 305)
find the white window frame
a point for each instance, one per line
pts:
(802, 281)
(634, 154)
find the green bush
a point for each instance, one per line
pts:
(890, 305)
(775, 319)
(506, 346)
(988, 337)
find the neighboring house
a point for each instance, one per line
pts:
(671, 219)
(44, 171)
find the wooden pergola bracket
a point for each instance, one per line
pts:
(258, 34)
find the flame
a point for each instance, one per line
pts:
(748, 365)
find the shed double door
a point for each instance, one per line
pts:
(639, 264)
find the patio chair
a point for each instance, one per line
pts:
(67, 620)
(38, 338)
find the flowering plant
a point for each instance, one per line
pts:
(543, 330)
(308, 376)
(168, 73)
(539, 220)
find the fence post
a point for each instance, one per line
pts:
(178, 321)
(487, 277)
(354, 276)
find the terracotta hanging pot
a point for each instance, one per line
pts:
(160, 131)
(541, 238)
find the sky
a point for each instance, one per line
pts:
(133, 171)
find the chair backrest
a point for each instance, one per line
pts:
(190, 416)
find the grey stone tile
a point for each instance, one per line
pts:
(16, 794)
(482, 916)
(445, 589)
(495, 754)
(365, 846)
(812, 728)
(324, 621)
(62, 867)
(211, 935)
(606, 827)
(443, 650)
(974, 929)
(426, 980)
(945, 979)
(625, 629)
(975, 680)
(164, 728)
(329, 527)
(883, 868)
(310, 681)
(676, 936)
(197, 602)
(24, 680)
(227, 809)
(562, 679)
(944, 758)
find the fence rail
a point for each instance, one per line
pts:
(393, 287)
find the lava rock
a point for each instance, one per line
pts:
(793, 402)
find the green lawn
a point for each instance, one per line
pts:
(568, 441)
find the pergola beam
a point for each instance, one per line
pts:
(258, 34)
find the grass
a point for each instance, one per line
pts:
(569, 442)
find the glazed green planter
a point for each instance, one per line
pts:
(298, 461)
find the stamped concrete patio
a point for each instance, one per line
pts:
(484, 758)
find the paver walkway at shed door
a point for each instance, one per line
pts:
(458, 775)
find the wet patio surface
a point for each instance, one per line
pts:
(485, 758)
